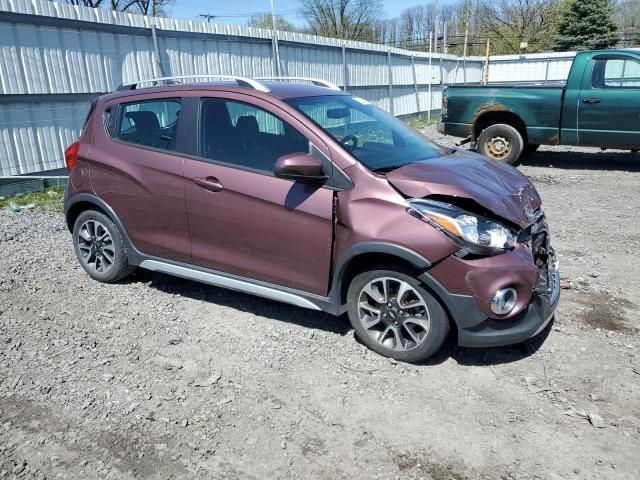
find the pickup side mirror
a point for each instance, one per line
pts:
(299, 166)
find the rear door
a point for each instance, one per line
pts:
(137, 168)
(245, 221)
(609, 107)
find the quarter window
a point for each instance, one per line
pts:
(616, 73)
(244, 135)
(151, 123)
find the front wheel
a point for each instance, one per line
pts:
(395, 316)
(501, 142)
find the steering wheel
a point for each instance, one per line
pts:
(350, 138)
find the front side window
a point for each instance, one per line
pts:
(246, 136)
(377, 139)
(152, 123)
(616, 73)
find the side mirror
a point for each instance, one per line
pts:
(299, 166)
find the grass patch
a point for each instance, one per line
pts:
(50, 200)
(420, 123)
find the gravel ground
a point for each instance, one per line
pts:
(158, 377)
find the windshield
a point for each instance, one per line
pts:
(380, 141)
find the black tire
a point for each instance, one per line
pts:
(501, 142)
(531, 148)
(431, 339)
(110, 262)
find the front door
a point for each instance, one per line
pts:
(609, 107)
(245, 221)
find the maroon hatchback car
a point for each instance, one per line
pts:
(302, 193)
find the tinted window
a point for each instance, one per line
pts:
(152, 123)
(616, 73)
(245, 135)
(377, 139)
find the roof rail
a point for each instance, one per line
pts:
(316, 81)
(242, 81)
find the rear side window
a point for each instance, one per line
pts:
(152, 123)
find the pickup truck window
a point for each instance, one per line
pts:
(615, 72)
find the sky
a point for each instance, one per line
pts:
(238, 11)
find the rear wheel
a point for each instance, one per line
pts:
(501, 142)
(395, 316)
(99, 247)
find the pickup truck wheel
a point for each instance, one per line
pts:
(395, 316)
(501, 142)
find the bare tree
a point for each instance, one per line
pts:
(348, 19)
(511, 22)
(146, 7)
(264, 20)
(627, 17)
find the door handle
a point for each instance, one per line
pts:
(209, 183)
(590, 100)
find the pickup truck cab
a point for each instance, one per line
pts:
(598, 106)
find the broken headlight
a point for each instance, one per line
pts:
(461, 225)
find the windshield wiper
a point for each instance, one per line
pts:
(388, 168)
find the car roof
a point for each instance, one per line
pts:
(281, 90)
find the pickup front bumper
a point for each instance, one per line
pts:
(529, 323)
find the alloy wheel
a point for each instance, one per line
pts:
(393, 313)
(95, 243)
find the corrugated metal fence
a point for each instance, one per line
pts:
(54, 58)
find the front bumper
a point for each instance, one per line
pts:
(530, 322)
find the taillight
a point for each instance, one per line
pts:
(71, 155)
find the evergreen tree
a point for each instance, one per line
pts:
(587, 25)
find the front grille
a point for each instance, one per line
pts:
(536, 237)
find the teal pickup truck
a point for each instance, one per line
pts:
(598, 106)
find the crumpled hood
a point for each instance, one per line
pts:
(496, 186)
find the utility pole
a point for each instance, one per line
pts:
(274, 42)
(207, 17)
(154, 40)
(464, 55)
(485, 73)
(464, 52)
(436, 28)
(445, 47)
(430, 75)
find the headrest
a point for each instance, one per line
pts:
(144, 120)
(247, 125)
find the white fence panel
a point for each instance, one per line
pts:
(54, 58)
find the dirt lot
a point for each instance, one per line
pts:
(163, 378)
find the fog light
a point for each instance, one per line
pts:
(504, 301)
